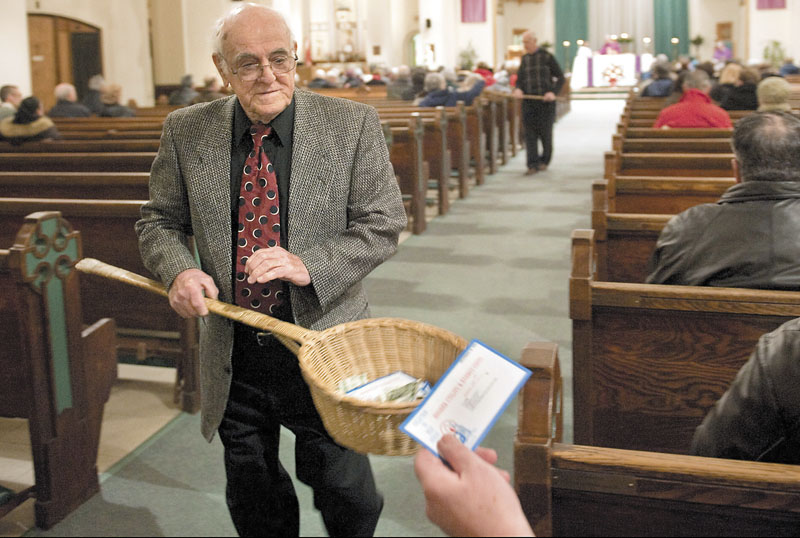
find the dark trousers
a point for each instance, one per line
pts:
(537, 121)
(268, 391)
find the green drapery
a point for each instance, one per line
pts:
(671, 20)
(572, 23)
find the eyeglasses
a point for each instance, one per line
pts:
(278, 64)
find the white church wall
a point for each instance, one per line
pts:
(774, 24)
(15, 67)
(199, 19)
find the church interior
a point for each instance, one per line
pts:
(100, 385)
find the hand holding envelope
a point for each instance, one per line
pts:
(471, 497)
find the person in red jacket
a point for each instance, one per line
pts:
(695, 108)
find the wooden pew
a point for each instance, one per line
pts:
(670, 145)
(575, 490)
(119, 124)
(146, 324)
(405, 154)
(502, 118)
(111, 134)
(457, 133)
(672, 164)
(649, 132)
(650, 360)
(658, 194)
(434, 150)
(473, 123)
(624, 243)
(78, 162)
(84, 146)
(53, 372)
(491, 132)
(377, 91)
(89, 185)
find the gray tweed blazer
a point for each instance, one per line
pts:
(345, 216)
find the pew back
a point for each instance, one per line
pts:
(574, 490)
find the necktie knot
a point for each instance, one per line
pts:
(260, 133)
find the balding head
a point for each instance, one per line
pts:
(698, 80)
(66, 92)
(767, 147)
(244, 12)
(529, 42)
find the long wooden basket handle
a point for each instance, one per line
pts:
(288, 333)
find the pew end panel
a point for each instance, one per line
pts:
(66, 378)
(143, 320)
(540, 424)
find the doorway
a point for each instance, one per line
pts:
(62, 50)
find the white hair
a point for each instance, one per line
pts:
(65, 91)
(222, 22)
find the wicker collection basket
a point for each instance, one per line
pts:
(374, 346)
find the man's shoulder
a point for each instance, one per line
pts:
(694, 220)
(329, 106)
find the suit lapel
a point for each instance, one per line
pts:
(311, 170)
(213, 186)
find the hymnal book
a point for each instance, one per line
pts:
(468, 399)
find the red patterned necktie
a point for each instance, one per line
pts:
(259, 224)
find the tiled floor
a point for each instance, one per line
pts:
(140, 404)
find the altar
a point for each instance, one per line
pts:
(598, 70)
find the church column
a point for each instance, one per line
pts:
(378, 46)
(14, 40)
(169, 42)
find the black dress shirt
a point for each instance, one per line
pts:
(279, 150)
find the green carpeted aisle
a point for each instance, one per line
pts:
(494, 268)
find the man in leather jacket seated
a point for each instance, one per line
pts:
(758, 418)
(749, 238)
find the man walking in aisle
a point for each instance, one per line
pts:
(539, 80)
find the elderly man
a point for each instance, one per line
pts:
(539, 78)
(695, 108)
(291, 200)
(749, 238)
(67, 105)
(10, 98)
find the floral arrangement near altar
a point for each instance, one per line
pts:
(612, 74)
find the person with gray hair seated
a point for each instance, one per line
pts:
(748, 239)
(67, 105)
(438, 94)
(773, 95)
(695, 108)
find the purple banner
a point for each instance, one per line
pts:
(473, 10)
(771, 4)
